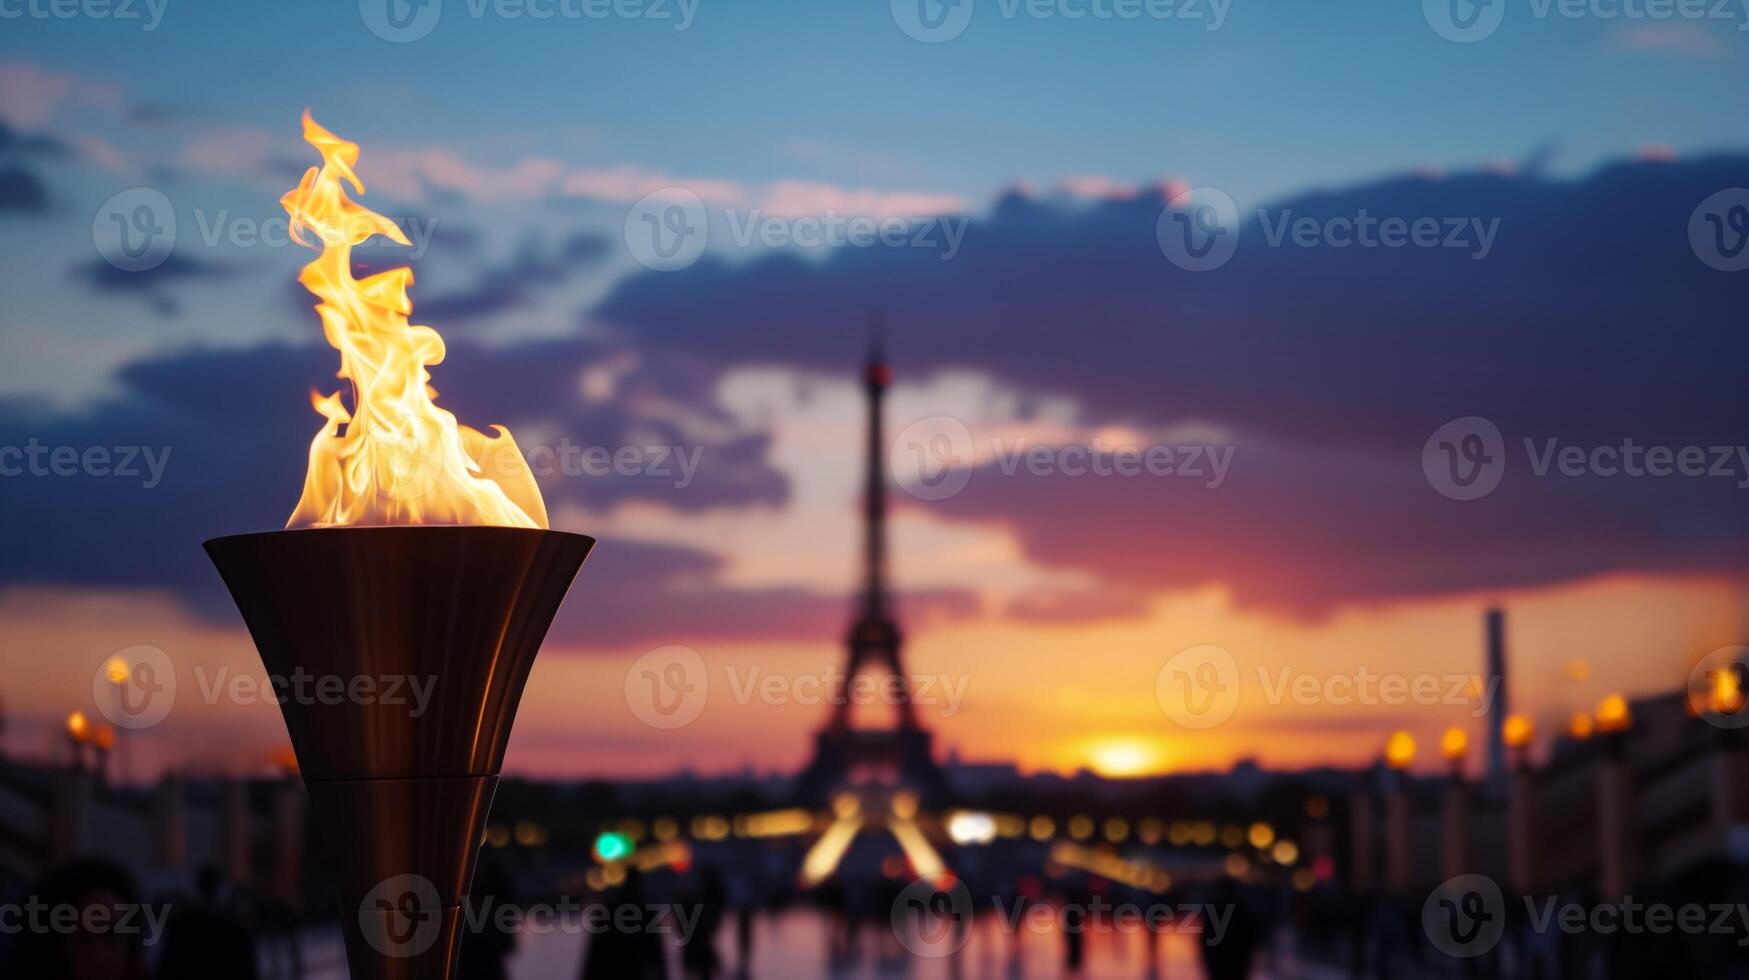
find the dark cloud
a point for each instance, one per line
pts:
(512, 285)
(41, 145)
(151, 285)
(156, 114)
(227, 431)
(21, 190)
(1305, 529)
(1591, 314)
(1591, 320)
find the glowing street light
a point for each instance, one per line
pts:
(1261, 835)
(1400, 750)
(1614, 715)
(1517, 731)
(1580, 726)
(971, 827)
(1453, 745)
(612, 846)
(1727, 692)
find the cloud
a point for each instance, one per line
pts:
(230, 429)
(21, 190)
(1069, 606)
(625, 184)
(32, 144)
(249, 154)
(31, 96)
(1590, 320)
(797, 198)
(1305, 530)
(1684, 40)
(152, 284)
(639, 593)
(511, 285)
(414, 175)
(103, 153)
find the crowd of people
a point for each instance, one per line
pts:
(87, 920)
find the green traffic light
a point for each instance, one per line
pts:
(613, 846)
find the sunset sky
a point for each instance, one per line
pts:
(518, 151)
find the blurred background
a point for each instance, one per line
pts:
(1278, 400)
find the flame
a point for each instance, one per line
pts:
(400, 458)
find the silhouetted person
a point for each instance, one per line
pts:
(698, 956)
(276, 935)
(204, 940)
(833, 900)
(112, 952)
(1075, 930)
(483, 952)
(1226, 954)
(633, 954)
(741, 899)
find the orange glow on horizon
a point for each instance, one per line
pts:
(1124, 757)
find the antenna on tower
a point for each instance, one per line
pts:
(877, 335)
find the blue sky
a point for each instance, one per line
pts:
(1283, 95)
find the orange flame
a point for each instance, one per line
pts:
(400, 459)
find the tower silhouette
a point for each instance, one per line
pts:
(900, 754)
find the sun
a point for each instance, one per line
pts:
(1125, 756)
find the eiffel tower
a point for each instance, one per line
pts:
(896, 757)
